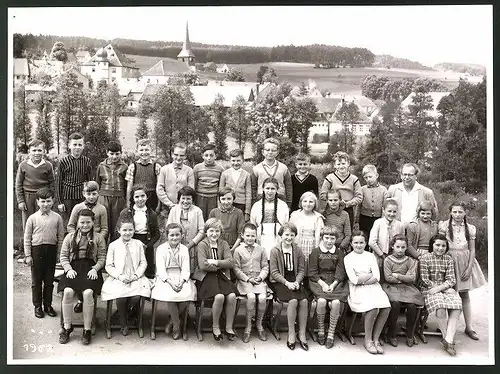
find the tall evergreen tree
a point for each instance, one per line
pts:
(44, 121)
(218, 116)
(22, 123)
(239, 121)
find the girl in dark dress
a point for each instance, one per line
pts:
(286, 276)
(83, 255)
(327, 281)
(212, 275)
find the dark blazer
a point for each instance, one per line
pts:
(204, 252)
(277, 265)
(153, 233)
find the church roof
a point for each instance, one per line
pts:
(156, 70)
(186, 47)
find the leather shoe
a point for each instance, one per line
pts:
(231, 336)
(393, 341)
(124, 330)
(321, 339)
(303, 345)
(379, 348)
(217, 337)
(246, 337)
(290, 346)
(329, 343)
(472, 334)
(176, 334)
(86, 337)
(39, 312)
(410, 342)
(370, 347)
(78, 308)
(262, 335)
(50, 311)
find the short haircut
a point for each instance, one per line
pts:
(86, 213)
(390, 202)
(358, 233)
(410, 164)
(90, 186)
(127, 217)
(44, 193)
(332, 192)
(249, 226)
(288, 226)
(310, 195)
(274, 141)
(369, 169)
(186, 191)
(208, 147)
(394, 239)
(236, 153)
(75, 136)
(36, 143)
(224, 190)
(438, 237)
(338, 156)
(426, 205)
(302, 157)
(143, 143)
(213, 223)
(114, 146)
(329, 230)
(180, 145)
(173, 226)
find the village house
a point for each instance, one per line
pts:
(210, 66)
(222, 69)
(47, 66)
(21, 71)
(82, 56)
(110, 65)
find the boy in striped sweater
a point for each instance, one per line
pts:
(73, 171)
(206, 180)
(32, 174)
(271, 167)
(342, 181)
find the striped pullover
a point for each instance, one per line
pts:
(348, 187)
(72, 173)
(206, 179)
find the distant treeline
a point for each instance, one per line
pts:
(333, 55)
(387, 61)
(472, 69)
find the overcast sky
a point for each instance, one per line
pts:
(428, 34)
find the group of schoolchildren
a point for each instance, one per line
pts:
(233, 233)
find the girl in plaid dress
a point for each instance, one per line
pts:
(438, 276)
(309, 224)
(461, 237)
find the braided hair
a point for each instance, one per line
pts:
(90, 235)
(450, 229)
(275, 214)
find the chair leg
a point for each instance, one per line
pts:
(351, 325)
(185, 320)
(109, 309)
(276, 320)
(310, 321)
(340, 330)
(268, 315)
(422, 320)
(199, 313)
(153, 319)
(141, 312)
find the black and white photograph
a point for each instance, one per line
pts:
(250, 185)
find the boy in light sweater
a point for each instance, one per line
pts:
(206, 181)
(172, 178)
(239, 180)
(43, 238)
(271, 167)
(32, 174)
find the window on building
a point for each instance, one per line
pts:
(93, 70)
(149, 80)
(113, 70)
(113, 79)
(130, 103)
(361, 128)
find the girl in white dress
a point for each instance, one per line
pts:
(125, 264)
(173, 283)
(365, 292)
(309, 224)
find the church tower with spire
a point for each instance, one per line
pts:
(186, 54)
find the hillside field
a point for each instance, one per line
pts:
(337, 81)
